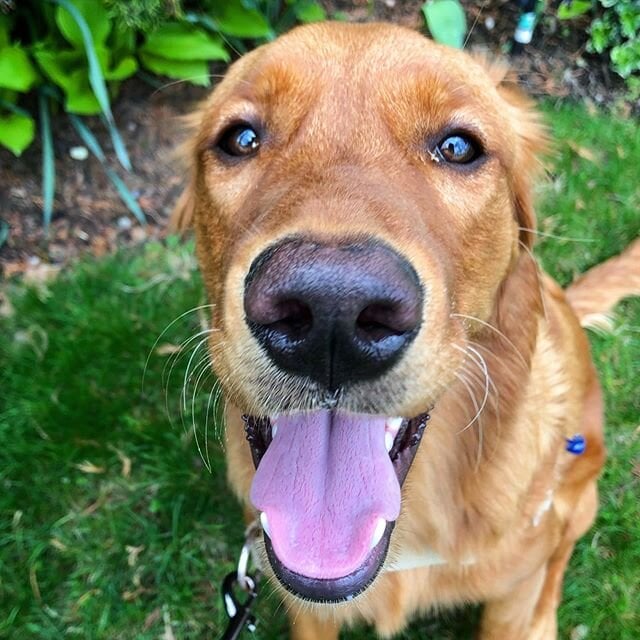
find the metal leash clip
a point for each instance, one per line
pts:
(240, 616)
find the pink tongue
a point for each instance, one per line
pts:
(324, 482)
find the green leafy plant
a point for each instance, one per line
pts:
(74, 54)
(446, 21)
(614, 30)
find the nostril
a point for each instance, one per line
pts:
(379, 321)
(293, 319)
(334, 313)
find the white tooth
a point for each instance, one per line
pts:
(388, 440)
(393, 424)
(274, 430)
(265, 523)
(378, 532)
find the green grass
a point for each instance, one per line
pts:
(89, 549)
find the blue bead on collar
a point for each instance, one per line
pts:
(576, 444)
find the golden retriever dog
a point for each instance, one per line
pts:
(411, 408)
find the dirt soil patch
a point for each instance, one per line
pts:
(89, 216)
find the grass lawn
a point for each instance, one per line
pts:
(110, 524)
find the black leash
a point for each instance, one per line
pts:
(239, 611)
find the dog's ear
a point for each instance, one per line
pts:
(182, 215)
(181, 218)
(533, 141)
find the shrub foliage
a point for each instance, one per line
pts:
(75, 46)
(614, 31)
(74, 54)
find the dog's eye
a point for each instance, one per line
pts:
(458, 148)
(239, 141)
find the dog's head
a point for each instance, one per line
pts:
(359, 194)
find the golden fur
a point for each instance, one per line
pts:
(350, 112)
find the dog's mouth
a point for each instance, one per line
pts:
(328, 489)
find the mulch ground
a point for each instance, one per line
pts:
(90, 218)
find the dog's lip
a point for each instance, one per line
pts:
(408, 434)
(334, 590)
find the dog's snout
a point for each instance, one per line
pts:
(335, 313)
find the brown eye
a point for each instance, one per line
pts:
(239, 141)
(459, 149)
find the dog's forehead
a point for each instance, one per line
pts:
(328, 60)
(366, 50)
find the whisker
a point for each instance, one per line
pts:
(544, 234)
(537, 266)
(497, 331)
(168, 85)
(201, 365)
(205, 369)
(477, 417)
(212, 408)
(475, 22)
(155, 344)
(483, 365)
(491, 383)
(488, 382)
(231, 45)
(174, 361)
(474, 400)
(186, 373)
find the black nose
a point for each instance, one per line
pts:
(335, 313)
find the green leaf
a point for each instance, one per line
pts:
(340, 16)
(79, 98)
(195, 71)
(310, 12)
(123, 70)
(120, 71)
(16, 71)
(58, 65)
(182, 41)
(16, 132)
(573, 9)
(601, 34)
(5, 27)
(48, 160)
(446, 21)
(96, 77)
(235, 20)
(95, 15)
(626, 58)
(629, 20)
(122, 40)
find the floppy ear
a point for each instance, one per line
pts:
(533, 141)
(183, 212)
(182, 215)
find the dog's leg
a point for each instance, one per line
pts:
(545, 619)
(306, 626)
(510, 617)
(529, 612)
